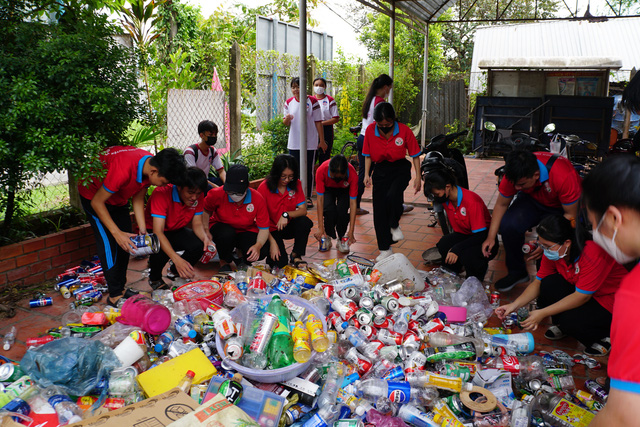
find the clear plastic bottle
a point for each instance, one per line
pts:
(68, 412)
(442, 339)
(526, 367)
(331, 386)
(402, 318)
(415, 417)
(396, 391)
(520, 414)
(324, 417)
(9, 338)
(186, 382)
(185, 328)
(164, 340)
(359, 340)
(319, 339)
(558, 411)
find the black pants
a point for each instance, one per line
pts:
(523, 214)
(588, 323)
(298, 229)
(114, 259)
(390, 179)
(468, 247)
(322, 155)
(336, 211)
(311, 155)
(227, 239)
(183, 239)
(359, 145)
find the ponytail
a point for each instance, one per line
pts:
(378, 83)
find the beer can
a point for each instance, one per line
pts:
(323, 245)
(146, 244)
(40, 302)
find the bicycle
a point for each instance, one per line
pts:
(350, 148)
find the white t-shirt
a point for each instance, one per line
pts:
(205, 161)
(291, 106)
(366, 122)
(328, 107)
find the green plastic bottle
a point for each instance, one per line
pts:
(280, 351)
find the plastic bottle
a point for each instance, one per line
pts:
(402, 318)
(319, 339)
(164, 341)
(186, 381)
(522, 342)
(414, 416)
(257, 287)
(359, 340)
(257, 358)
(68, 412)
(520, 414)
(301, 347)
(396, 391)
(9, 338)
(560, 412)
(444, 382)
(232, 295)
(324, 417)
(442, 339)
(526, 367)
(185, 328)
(280, 350)
(331, 385)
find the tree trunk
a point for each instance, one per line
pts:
(8, 213)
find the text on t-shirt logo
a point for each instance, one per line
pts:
(250, 207)
(399, 141)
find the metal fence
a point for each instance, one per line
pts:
(446, 103)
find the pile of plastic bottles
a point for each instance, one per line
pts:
(379, 352)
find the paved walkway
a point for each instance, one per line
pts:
(418, 237)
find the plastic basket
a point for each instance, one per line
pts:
(273, 375)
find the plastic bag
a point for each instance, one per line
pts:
(75, 364)
(377, 419)
(472, 296)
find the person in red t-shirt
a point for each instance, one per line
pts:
(545, 184)
(238, 219)
(469, 218)
(337, 189)
(386, 144)
(129, 172)
(575, 285)
(169, 212)
(282, 191)
(611, 194)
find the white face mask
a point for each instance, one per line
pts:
(237, 197)
(319, 90)
(609, 245)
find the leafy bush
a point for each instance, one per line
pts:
(276, 135)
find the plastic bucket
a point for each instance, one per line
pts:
(273, 375)
(201, 289)
(142, 311)
(398, 266)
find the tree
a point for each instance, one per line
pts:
(67, 90)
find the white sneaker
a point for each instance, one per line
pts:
(342, 247)
(384, 254)
(396, 234)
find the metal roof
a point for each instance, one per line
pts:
(614, 39)
(413, 13)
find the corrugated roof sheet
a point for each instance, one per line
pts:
(616, 38)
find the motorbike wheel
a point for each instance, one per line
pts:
(350, 151)
(442, 221)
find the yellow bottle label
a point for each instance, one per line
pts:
(300, 337)
(572, 414)
(314, 325)
(445, 382)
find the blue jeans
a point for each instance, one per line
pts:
(523, 214)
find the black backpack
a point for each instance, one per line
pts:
(196, 150)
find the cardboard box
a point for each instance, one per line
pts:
(157, 411)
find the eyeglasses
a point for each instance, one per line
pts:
(545, 246)
(283, 177)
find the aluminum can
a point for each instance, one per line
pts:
(10, 372)
(494, 299)
(36, 341)
(364, 316)
(209, 254)
(40, 302)
(529, 247)
(263, 334)
(363, 363)
(346, 308)
(368, 331)
(83, 290)
(146, 244)
(390, 303)
(323, 245)
(366, 302)
(379, 312)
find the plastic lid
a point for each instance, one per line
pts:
(360, 411)
(158, 348)
(191, 374)
(192, 334)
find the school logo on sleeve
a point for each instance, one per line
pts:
(250, 207)
(463, 211)
(399, 141)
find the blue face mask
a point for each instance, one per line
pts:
(553, 255)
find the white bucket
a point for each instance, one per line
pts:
(398, 266)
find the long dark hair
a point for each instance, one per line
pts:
(438, 180)
(280, 163)
(558, 229)
(377, 83)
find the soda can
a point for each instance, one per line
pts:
(368, 330)
(379, 312)
(364, 316)
(393, 286)
(347, 309)
(597, 390)
(327, 290)
(257, 285)
(263, 334)
(411, 342)
(18, 406)
(209, 254)
(335, 319)
(362, 362)
(351, 293)
(390, 303)
(592, 363)
(36, 341)
(82, 290)
(342, 268)
(323, 245)
(146, 244)
(233, 348)
(366, 302)
(494, 299)
(529, 247)
(10, 372)
(415, 362)
(40, 302)
(395, 374)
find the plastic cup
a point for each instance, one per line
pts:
(128, 351)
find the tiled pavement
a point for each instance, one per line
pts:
(418, 237)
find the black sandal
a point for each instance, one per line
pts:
(297, 262)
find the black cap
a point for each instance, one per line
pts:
(237, 180)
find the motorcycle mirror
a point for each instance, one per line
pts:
(490, 126)
(549, 128)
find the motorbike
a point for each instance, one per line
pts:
(581, 153)
(440, 156)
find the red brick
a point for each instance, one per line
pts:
(3, 279)
(61, 261)
(18, 273)
(69, 247)
(33, 279)
(54, 240)
(75, 233)
(7, 264)
(11, 251)
(49, 253)
(50, 275)
(40, 267)
(27, 259)
(33, 245)
(80, 254)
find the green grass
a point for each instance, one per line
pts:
(44, 199)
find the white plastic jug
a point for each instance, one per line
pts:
(398, 266)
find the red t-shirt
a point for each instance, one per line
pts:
(624, 369)
(560, 186)
(470, 215)
(278, 203)
(165, 203)
(395, 148)
(124, 175)
(594, 273)
(251, 215)
(324, 180)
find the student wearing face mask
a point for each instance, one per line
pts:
(470, 220)
(204, 155)
(238, 219)
(611, 194)
(575, 285)
(386, 144)
(330, 116)
(337, 189)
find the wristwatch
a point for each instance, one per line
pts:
(285, 215)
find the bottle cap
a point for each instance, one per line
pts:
(6, 346)
(191, 374)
